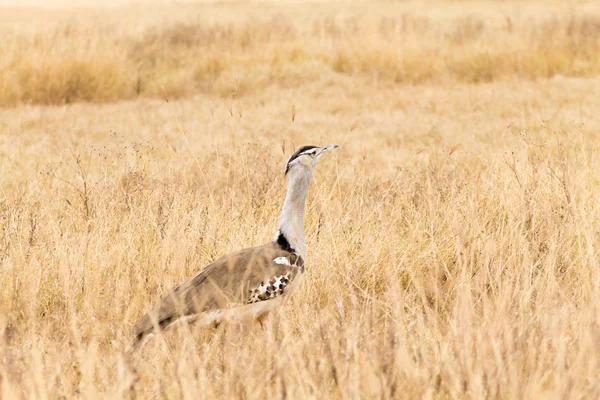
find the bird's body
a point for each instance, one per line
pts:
(248, 277)
(247, 284)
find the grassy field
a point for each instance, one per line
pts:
(453, 240)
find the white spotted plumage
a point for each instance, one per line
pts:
(270, 289)
(282, 261)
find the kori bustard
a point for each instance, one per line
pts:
(245, 285)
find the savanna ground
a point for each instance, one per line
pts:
(453, 239)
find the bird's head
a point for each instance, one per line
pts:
(306, 158)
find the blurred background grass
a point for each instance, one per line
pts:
(67, 54)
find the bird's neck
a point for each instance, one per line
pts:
(291, 222)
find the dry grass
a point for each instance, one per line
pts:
(453, 239)
(97, 57)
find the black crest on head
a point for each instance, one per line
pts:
(296, 155)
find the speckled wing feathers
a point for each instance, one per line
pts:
(270, 289)
(247, 276)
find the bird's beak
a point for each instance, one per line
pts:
(329, 147)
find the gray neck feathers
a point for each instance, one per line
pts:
(291, 222)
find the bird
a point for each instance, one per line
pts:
(246, 285)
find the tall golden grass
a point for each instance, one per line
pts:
(453, 239)
(85, 59)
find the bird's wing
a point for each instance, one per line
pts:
(247, 276)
